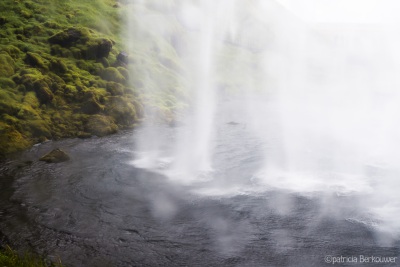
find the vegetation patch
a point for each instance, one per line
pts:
(11, 258)
(59, 70)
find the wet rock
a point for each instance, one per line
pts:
(55, 156)
(123, 57)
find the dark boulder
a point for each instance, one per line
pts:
(123, 57)
(70, 37)
(55, 156)
(92, 106)
(101, 125)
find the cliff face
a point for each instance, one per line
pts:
(62, 73)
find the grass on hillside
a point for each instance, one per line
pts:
(59, 73)
(10, 258)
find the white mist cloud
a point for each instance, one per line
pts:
(344, 11)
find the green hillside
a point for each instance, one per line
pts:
(59, 72)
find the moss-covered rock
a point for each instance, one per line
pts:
(115, 88)
(121, 109)
(11, 140)
(12, 50)
(81, 44)
(6, 83)
(58, 66)
(35, 60)
(97, 48)
(92, 106)
(55, 156)
(70, 36)
(112, 74)
(101, 125)
(43, 92)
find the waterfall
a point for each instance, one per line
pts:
(322, 99)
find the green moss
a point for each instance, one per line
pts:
(52, 24)
(70, 36)
(9, 102)
(97, 48)
(38, 128)
(112, 74)
(35, 60)
(26, 14)
(121, 109)
(115, 88)
(58, 71)
(6, 65)
(10, 120)
(43, 92)
(6, 83)
(90, 66)
(9, 257)
(12, 50)
(31, 100)
(124, 72)
(11, 140)
(101, 125)
(70, 92)
(58, 66)
(91, 104)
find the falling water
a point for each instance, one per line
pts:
(320, 100)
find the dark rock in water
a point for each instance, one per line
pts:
(123, 57)
(232, 123)
(55, 156)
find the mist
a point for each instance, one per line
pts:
(273, 102)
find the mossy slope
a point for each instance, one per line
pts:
(59, 72)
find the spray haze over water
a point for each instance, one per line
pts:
(275, 103)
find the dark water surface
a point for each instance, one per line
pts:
(99, 210)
